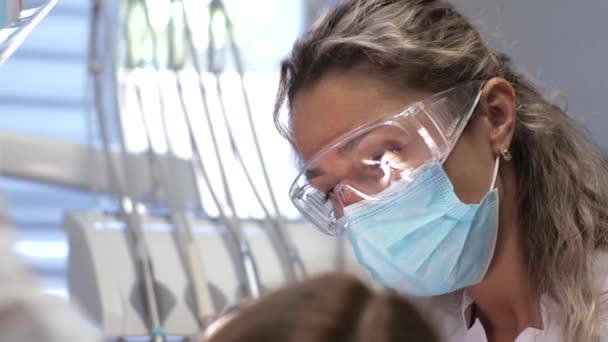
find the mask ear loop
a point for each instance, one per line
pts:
(495, 176)
(506, 155)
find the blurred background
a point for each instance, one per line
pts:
(52, 155)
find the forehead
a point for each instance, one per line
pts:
(339, 103)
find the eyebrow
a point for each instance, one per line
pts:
(349, 146)
(342, 150)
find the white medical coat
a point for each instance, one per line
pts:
(450, 314)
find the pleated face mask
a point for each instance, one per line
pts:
(422, 240)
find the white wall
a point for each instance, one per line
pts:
(562, 44)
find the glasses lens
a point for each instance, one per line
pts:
(361, 168)
(367, 161)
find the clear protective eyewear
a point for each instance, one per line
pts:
(362, 164)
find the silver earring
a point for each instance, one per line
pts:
(506, 155)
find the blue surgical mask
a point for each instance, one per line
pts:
(421, 239)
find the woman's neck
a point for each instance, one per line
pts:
(507, 301)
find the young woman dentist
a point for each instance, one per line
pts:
(452, 176)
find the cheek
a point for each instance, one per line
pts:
(470, 167)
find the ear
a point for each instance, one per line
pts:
(499, 99)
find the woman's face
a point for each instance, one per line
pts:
(341, 102)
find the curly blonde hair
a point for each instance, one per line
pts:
(562, 178)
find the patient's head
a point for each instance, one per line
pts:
(330, 308)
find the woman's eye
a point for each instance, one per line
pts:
(379, 156)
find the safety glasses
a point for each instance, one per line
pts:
(363, 163)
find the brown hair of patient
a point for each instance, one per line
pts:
(329, 308)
